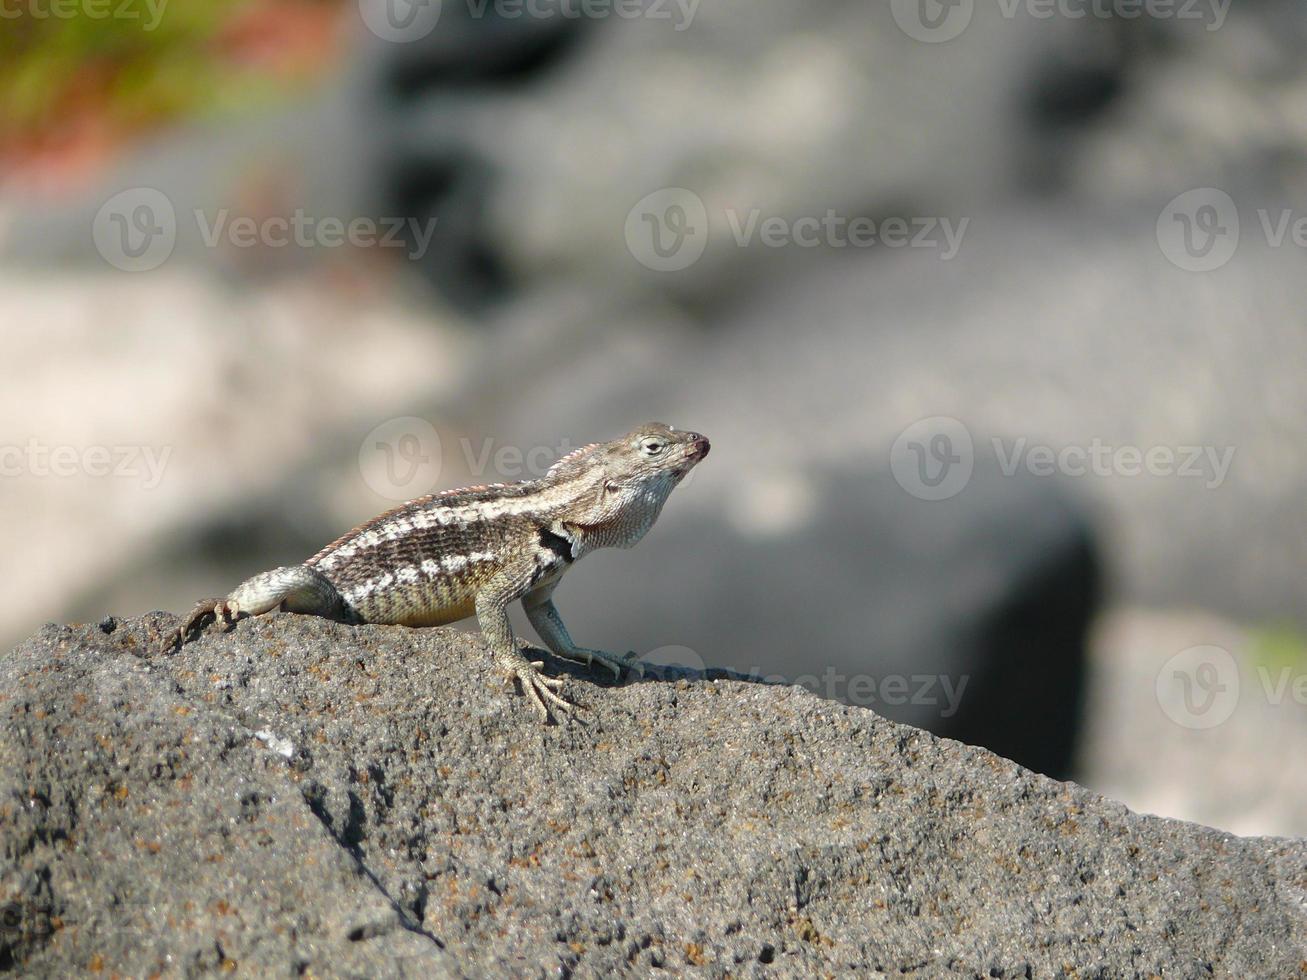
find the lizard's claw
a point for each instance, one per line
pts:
(222, 610)
(610, 660)
(540, 689)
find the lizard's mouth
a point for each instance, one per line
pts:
(694, 454)
(698, 448)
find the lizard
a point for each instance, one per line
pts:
(475, 550)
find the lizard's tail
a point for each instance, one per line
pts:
(293, 588)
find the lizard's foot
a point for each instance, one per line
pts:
(222, 610)
(632, 663)
(612, 661)
(540, 689)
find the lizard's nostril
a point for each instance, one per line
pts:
(701, 445)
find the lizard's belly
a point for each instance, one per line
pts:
(438, 615)
(417, 607)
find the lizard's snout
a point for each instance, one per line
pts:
(699, 445)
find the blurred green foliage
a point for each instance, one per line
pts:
(123, 64)
(1280, 646)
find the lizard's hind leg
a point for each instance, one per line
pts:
(294, 588)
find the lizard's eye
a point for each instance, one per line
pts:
(652, 447)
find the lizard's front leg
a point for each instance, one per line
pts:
(294, 588)
(492, 615)
(545, 620)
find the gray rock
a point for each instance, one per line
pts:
(303, 796)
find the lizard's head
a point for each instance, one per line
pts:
(621, 486)
(655, 452)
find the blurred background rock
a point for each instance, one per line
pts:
(254, 397)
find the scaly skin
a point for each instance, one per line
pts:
(474, 551)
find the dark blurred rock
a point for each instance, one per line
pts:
(493, 44)
(303, 797)
(530, 148)
(1208, 98)
(416, 97)
(796, 110)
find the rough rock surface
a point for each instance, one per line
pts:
(300, 796)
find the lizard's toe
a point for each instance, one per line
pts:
(611, 661)
(553, 683)
(540, 689)
(225, 611)
(194, 619)
(541, 711)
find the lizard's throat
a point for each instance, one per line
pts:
(624, 531)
